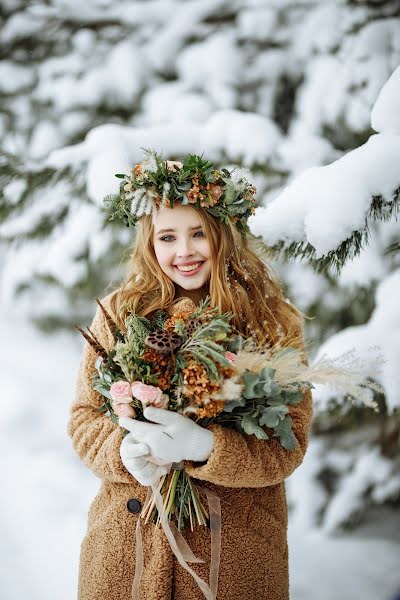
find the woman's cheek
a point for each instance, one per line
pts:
(205, 248)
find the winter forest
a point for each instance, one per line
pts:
(301, 95)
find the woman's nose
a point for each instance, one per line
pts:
(184, 247)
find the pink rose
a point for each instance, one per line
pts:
(121, 390)
(231, 357)
(124, 410)
(147, 394)
(215, 190)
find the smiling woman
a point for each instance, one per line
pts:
(191, 240)
(185, 254)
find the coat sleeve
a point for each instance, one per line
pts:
(239, 460)
(95, 437)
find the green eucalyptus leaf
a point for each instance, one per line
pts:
(230, 405)
(272, 416)
(260, 385)
(285, 434)
(284, 426)
(99, 363)
(294, 397)
(288, 440)
(236, 343)
(103, 391)
(251, 427)
(250, 381)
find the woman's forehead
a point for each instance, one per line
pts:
(182, 217)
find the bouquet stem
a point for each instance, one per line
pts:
(181, 501)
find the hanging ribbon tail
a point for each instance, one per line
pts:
(183, 546)
(214, 508)
(174, 547)
(139, 562)
(180, 547)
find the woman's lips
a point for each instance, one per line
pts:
(189, 273)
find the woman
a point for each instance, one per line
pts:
(246, 473)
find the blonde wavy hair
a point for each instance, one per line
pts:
(240, 282)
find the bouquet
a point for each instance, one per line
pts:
(194, 362)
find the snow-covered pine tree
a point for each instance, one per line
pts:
(277, 87)
(335, 210)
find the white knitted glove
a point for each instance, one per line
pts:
(133, 457)
(173, 438)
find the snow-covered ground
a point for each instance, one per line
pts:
(47, 492)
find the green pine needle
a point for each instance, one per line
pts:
(380, 210)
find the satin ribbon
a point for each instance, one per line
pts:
(180, 547)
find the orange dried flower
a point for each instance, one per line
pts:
(169, 324)
(211, 409)
(197, 386)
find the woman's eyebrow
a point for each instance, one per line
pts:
(167, 230)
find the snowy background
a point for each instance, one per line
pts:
(302, 94)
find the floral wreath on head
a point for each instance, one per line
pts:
(157, 182)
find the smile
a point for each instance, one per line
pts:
(189, 269)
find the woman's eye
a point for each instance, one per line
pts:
(164, 237)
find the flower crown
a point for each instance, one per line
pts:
(156, 182)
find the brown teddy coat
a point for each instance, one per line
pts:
(246, 473)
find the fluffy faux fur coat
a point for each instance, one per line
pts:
(246, 473)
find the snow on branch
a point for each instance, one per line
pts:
(324, 214)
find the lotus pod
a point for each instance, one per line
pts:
(164, 342)
(191, 327)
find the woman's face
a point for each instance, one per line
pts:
(182, 250)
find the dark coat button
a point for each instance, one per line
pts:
(133, 505)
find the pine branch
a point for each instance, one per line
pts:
(138, 328)
(159, 319)
(380, 210)
(393, 248)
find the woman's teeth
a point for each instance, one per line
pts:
(189, 267)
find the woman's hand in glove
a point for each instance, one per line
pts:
(133, 456)
(171, 437)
